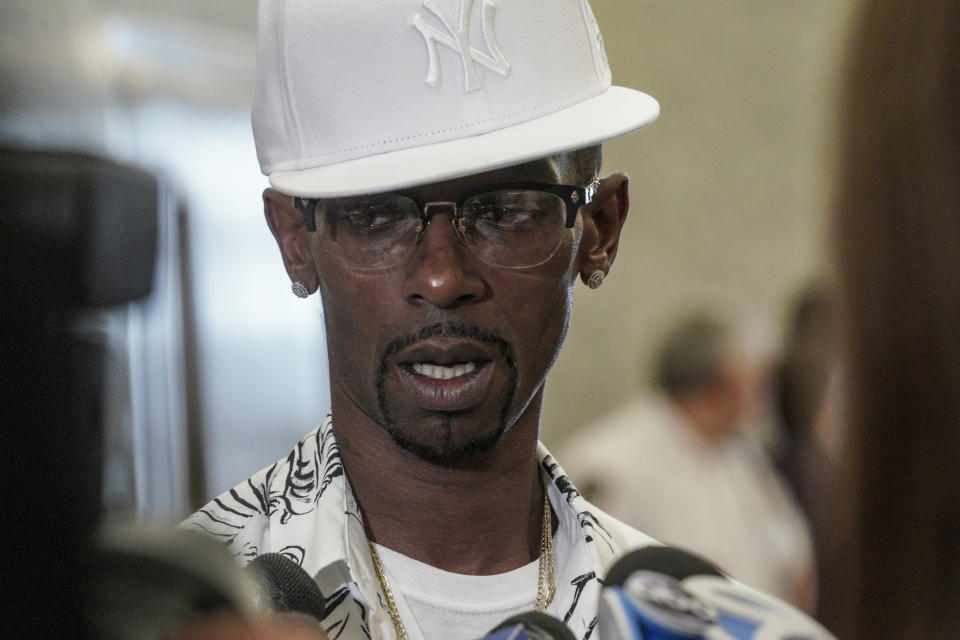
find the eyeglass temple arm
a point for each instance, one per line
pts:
(307, 208)
(590, 191)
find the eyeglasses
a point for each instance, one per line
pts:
(514, 225)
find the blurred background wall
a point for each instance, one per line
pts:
(167, 87)
(729, 189)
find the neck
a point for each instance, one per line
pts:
(480, 517)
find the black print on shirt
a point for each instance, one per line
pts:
(312, 462)
(562, 482)
(287, 488)
(590, 627)
(578, 583)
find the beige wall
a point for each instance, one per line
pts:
(729, 187)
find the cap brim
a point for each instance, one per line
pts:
(615, 112)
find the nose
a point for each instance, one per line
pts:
(442, 272)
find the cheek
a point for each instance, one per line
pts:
(542, 316)
(351, 316)
(556, 323)
(556, 293)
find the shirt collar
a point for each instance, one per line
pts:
(317, 519)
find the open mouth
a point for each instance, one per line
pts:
(447, 388)
(447, 375)
(441, 372)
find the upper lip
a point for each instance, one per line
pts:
(445, 352)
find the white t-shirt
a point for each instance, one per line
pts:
(454, 606)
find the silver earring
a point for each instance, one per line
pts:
(595, 279)
(299, 289)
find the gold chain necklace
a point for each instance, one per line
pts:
(546, 580)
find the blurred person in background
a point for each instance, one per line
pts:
(897, 237)
(804, 392)
(679, 464)
(802, 379)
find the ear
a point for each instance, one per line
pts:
(603, 221)
(289, 230)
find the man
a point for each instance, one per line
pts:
(434, 170)
(679, 464)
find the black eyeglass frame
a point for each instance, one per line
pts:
(573, 197)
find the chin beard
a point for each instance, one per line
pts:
(446, 452)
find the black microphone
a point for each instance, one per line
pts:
(664, 593)
(669, 561)
(285, 587)
(532, 625)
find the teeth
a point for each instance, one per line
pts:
(439, 372)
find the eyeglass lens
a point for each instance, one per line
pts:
(506, 228)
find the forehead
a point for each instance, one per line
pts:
(543, 170)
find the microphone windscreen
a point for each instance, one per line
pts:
(668, 561)
(537, 625)
(287, 586)
(666, 593)
(146, 582)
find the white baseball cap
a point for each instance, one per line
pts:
(362, 96)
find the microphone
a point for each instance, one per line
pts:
(146, 582)
(283, 586)
(664, 593)
(532, 625)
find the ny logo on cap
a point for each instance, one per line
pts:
(457, 39)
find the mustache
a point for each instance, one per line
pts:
(450, 330)
(446, 330)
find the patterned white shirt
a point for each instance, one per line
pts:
(303, 507)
